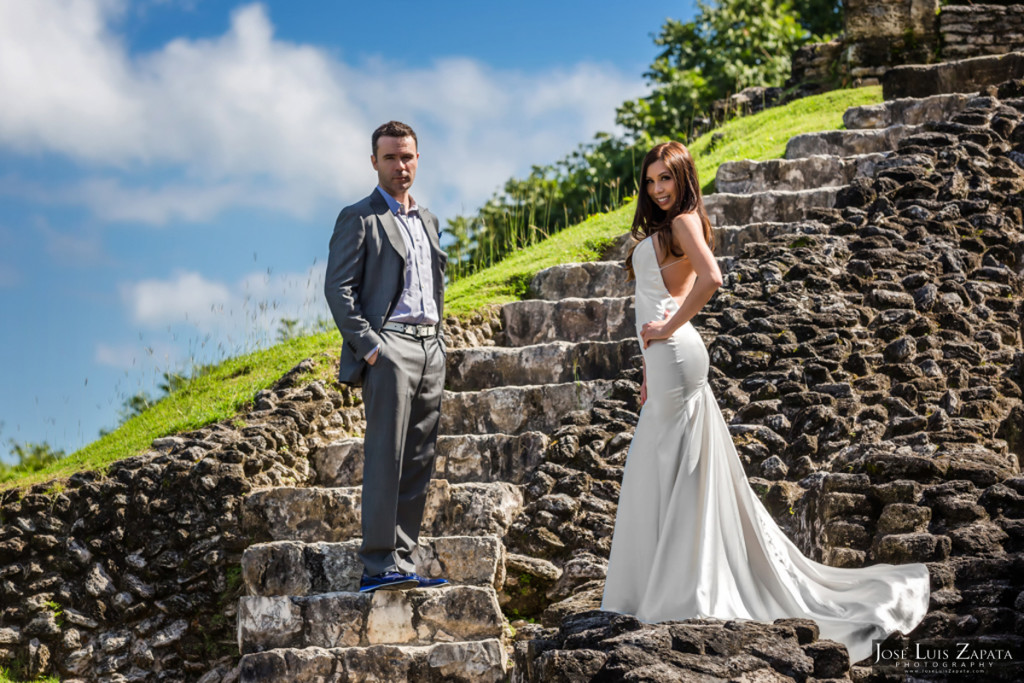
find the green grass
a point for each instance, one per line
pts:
(765, 134)
(221, 393)
(6, 676)
(507, 280)
(208, 398)
(758, 137)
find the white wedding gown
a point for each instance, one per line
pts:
(691, 538)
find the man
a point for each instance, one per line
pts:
(385, 287)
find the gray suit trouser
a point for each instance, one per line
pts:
(402, 399)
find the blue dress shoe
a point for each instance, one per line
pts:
(424, 582)
(392, 581)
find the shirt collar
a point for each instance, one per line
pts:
(395, 207)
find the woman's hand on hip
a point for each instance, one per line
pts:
(655, 330)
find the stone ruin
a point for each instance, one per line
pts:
(880, 34)
(867, 353)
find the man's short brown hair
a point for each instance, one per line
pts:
(393, 129)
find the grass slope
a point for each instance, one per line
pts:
(759, 137)
(223, 392)
(216, 395)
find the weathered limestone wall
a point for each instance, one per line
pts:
(975, 30)
(870, 364)
(132, 574)
(879, 35)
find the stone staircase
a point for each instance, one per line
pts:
(302, 618)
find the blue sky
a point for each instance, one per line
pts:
(170, 171)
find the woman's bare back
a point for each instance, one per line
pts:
(676, 272)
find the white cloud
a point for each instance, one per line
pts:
(246, 120)
(248, 310)
(188, 297)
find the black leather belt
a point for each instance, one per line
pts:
(419, 331)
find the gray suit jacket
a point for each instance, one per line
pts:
(366, 274)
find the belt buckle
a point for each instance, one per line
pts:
(422, 330)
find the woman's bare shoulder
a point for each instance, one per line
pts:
(684, 220)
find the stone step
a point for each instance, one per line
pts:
(774, 206)
(534, 321)
(962, 75)
(312, 514)
(909, 111)
(478, 661)
(582, 280)
(460, 458)
(731, 239)
(296, 568)
(847, 143)
(597, 279)
(472, 369)
(514, 410)
(414, 617)
(819, 170)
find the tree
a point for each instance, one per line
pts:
(287, 329)
(135, 405)
(172, 382)
(731, 45)
(31, 456)
(823, 19)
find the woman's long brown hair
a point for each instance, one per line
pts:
(650, 219)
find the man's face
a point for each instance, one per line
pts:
(395, 163)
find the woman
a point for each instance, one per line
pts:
(691, 538)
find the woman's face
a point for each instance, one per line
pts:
(661, 186)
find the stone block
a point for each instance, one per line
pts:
(907, 111)
(312, 514)
(914, 547)
(600, 319)
(331, 620)
(965, 75)
(746, 176)
(513, 410)
(296, 568)
(773, 206)
(460, 458)
(473, 369)
(845, 143)
(583, 280)
(481, 661)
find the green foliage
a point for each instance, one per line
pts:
(142, 401)
(233, 577)
(823, 19)
(135, 405)
(13, 674)
(508, 280)
(58, 611)
(213, 393)
(31, 457)
(218, 393)
(731, 45)
(595, 178)
(287, 329)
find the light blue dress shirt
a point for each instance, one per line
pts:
(416, 305)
